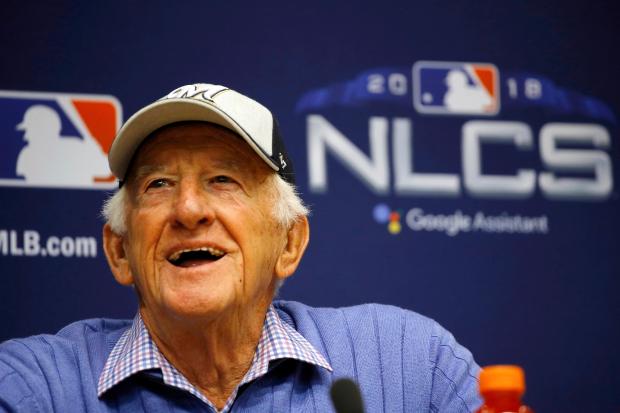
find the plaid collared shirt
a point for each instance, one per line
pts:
(135, 351)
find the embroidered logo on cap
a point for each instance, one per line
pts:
(198, 91)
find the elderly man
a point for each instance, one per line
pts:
(206, 226)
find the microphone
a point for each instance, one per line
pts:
(346, 396)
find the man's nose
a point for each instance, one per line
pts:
(192, 208)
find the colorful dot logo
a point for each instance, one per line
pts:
(384, 215)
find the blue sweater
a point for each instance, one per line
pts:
(402, 361)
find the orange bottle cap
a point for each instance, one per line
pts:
(502, 378)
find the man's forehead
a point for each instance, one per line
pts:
(227, 149)
(221, 162)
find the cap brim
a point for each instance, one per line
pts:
(165, 112)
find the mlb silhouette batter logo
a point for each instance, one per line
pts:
(57, 140)
(454, 88)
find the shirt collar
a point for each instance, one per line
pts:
(135, 351)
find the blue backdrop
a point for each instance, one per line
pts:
(460, 158)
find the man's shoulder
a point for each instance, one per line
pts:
(94, 326)
(38, 371)
(380, 316)
(388, 325)
(383, 346)
(79, 340)
(375, 327)
(75, 333)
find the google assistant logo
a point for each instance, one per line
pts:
(384, 215)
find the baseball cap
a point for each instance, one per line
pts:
(209, 103)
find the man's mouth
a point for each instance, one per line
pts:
(195, 256)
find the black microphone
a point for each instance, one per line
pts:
(346, 396)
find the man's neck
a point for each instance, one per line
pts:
(213, 355)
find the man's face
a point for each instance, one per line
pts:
(201, 238)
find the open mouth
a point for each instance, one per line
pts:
(193, 257)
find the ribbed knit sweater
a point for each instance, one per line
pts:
(403, 362)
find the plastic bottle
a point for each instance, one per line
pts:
(501, 388)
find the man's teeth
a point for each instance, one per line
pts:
(213, 251)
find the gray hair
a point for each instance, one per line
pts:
(287, 206)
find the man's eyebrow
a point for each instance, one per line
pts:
(231, 164)
(227, 163)
(145, 170)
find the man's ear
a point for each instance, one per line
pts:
(297, 241)
(117, 259)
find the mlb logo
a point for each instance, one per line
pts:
(455, 88)
(57, 140)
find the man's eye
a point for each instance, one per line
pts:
(221, 179)
(158, 183)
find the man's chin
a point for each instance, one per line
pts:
(192, 305)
